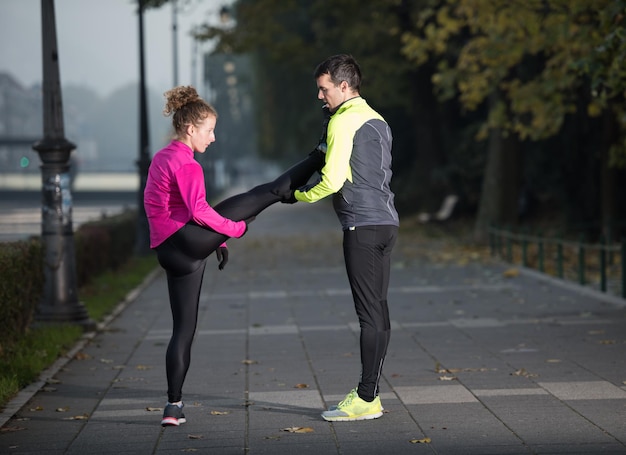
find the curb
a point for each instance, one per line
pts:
(584, 290)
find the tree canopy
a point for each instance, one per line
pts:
(542, 56)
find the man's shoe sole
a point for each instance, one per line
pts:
(352, 419)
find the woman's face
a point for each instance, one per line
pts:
(202, 135)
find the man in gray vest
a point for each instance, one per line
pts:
(357, 173)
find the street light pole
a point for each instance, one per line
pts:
(60, 297)
(142, 243)
(175, 41)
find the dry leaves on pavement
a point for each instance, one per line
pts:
(298, 430)
(420, 441)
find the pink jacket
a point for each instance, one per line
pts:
(175, 194)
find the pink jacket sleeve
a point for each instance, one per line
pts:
(190, 180)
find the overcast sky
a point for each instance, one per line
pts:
(98, 42)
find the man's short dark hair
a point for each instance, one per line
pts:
(341, 67)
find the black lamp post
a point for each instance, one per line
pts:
(142, 243)
(60, 297)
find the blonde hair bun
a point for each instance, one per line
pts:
(179, 97)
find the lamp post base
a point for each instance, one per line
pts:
(75, 314)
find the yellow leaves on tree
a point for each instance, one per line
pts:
(535, 54)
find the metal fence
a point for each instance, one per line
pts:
(601, 265)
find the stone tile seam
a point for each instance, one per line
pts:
(283, 294)
(465, 323)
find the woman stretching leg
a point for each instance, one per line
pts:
(185, 229)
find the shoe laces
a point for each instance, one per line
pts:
(348, 399)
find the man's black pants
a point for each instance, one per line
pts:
(367, 254)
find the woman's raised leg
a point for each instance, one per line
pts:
(254, 201)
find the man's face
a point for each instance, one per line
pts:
(333, 95)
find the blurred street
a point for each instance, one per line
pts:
(20, 211)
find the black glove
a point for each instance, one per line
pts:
(286, 195)
(290, 198)
(222, 257)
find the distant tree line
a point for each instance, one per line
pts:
(104, 130)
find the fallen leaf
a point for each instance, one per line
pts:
(298, 430)
(301, 386)
(276, 438)
(82, 356)
(524, 373)
(106, 361)
(143, 367)
(49, 389)
(607, 342)
(249, 362)
(420, 441)
(64, 409)
(510, 273)
(38, 408)
(553, 361)
(151, 409)
(447, 378)
(596, 332)
(220, 413)
(195, 436)
(53, 381)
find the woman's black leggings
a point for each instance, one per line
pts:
(183, 256)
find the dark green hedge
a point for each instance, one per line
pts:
(21, 284)
(100, 246)
(104, 245)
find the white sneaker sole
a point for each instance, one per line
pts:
(351, 419)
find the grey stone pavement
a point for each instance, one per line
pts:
(479, 363)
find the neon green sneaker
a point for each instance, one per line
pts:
(354, 408)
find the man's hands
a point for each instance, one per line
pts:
(222, 257)
(290, 198)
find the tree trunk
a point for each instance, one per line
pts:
(608, 178)
(490, 196)
(420, 186)
(501, 184)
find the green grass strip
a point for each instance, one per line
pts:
(22, 362)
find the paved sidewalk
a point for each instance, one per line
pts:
(478, 363)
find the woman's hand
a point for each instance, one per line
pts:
(222, 256)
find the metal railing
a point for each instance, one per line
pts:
(599, 265)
